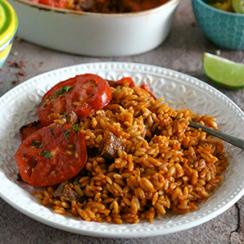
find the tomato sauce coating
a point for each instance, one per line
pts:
(105, 6)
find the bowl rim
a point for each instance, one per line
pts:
(10, 26)
(83, 13)
(234, 14)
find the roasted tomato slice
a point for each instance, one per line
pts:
(82, 95)
(51, 155)
(89, 94)
(29, 129)
(53, 103)
(126, 81)
(54, 3)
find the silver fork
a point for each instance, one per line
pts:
(230, 139)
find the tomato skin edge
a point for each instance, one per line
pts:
(52, 106)
(126, 81)
(99, 102)
(147, 88)
(28, 129)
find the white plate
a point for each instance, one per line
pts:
(17, 107)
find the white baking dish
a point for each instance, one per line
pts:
(94, 34)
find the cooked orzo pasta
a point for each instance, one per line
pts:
(144, 161)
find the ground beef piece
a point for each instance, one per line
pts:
(66, 192)
(111, 145)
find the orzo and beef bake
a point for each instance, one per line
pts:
(123, 157)
(104, 6)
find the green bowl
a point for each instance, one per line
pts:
(223, 28)
(8, 28)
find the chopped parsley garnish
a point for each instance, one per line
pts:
(46, 154)
(63, 90)
(66, 134)
(76, 127)
(36, 144)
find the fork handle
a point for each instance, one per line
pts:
(230, 139)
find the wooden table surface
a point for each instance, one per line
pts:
(182, 51)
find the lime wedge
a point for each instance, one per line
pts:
(223, 71)
(238, 6)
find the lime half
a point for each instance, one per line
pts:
(223, 71)
(238, 6)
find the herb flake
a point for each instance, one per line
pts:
(63, 90)
(66, 134)
(46, 154)
(52, 131)
(36, 144)
(76, 127)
